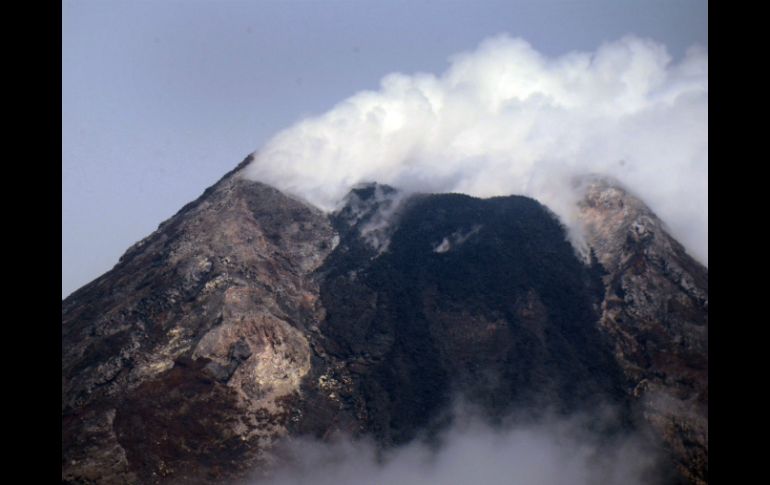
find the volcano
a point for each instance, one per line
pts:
(250, 317)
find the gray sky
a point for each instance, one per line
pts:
(161, 98)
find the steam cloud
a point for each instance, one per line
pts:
(550, 451)
(505, 119)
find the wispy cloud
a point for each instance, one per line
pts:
(547, 451)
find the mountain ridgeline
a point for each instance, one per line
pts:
(250, 317)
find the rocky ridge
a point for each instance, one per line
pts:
(188, 348)
(655, 311)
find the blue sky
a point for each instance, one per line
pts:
(161, 98)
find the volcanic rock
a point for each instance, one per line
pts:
(250, 316)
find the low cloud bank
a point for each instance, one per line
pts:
(550, 451)
(505, 119)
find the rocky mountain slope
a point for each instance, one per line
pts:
(250, 316)
(655, 311)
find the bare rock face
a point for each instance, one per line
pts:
(655, 311)
(178, 363)
(250, 316)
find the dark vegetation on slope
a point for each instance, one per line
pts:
(506, 318)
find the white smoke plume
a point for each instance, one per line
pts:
(378, 212)
(505, 119)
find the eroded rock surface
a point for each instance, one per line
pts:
(655, 311)
(178, 363)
